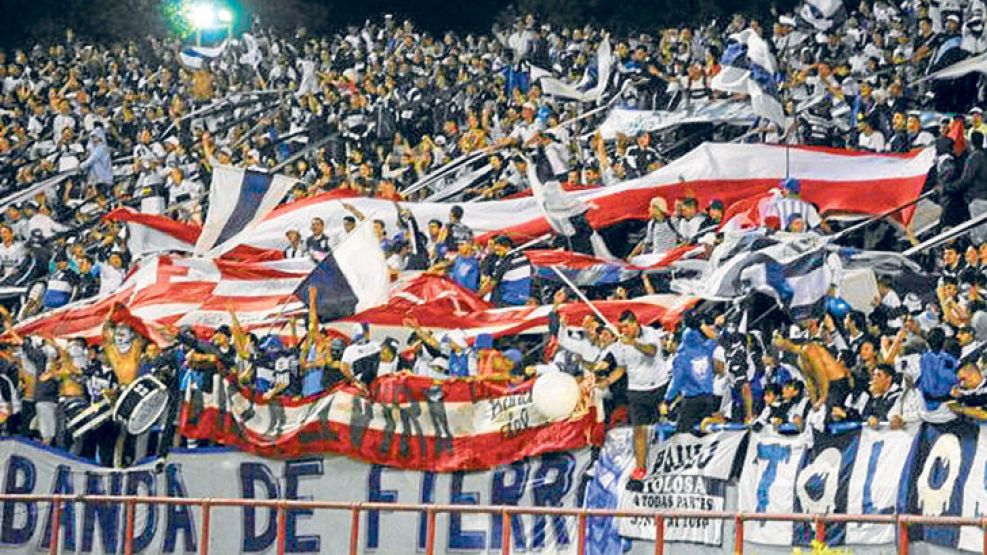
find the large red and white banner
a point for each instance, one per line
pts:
(169, 290)
(837, 181)
(438, 305)
(405, 421)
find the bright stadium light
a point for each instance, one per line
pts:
(202, 16)
(224, 16)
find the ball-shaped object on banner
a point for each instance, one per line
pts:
(555, 395)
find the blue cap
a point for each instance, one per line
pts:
(791, 185)
(837, 307)
(484, 341)
(791, 219)
(271, 344)
(514, 356)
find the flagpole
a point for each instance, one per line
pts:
(788, 160)
(949, 234)
(530, 243)
(880, 216)
(583, 298)
(467, 158)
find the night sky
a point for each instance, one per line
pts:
(27, 21)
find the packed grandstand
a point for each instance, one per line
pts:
(740, 266)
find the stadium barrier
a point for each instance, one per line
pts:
(130, 503)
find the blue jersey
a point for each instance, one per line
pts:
(692, 369)
(466, 272)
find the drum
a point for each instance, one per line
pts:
(81, 419)
(140, 404)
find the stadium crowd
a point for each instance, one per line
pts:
(375, 109)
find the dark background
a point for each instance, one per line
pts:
(27, 22)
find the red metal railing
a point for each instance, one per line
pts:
(819, 521)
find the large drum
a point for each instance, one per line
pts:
(140, 404)
(81, 419)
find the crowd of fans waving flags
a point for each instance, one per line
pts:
(256, 243)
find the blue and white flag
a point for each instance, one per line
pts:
(797, 271)
(941, 461)
(976, 64)
(239, 199)
(197, 56)
(351, 278)
(582, 92)
(821, 486)
(749, 68)
(947, 55)
(822, 15)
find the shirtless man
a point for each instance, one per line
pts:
(826, 379)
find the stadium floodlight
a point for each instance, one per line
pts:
(224, 16)
(202, 16)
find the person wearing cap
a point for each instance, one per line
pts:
(660, 235)
(795, 223)
(296, 247)
(976, 124)
(525, 130)
(787, 39)
(790, 203)
(869, 138)
(361, 358)
(970, 347)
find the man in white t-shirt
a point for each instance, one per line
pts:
(641, 357)
(361, 358)
(11, 251)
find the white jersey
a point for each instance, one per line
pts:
(643, 372)
(10, 257)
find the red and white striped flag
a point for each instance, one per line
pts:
(835, 180)
(153, 233)
(166, 290)
(440, 305)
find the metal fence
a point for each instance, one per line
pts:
(205, 505)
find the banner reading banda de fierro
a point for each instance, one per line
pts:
(405, 421)
(219, 473)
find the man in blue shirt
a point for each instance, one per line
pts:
(692, 376)
(466, 267)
